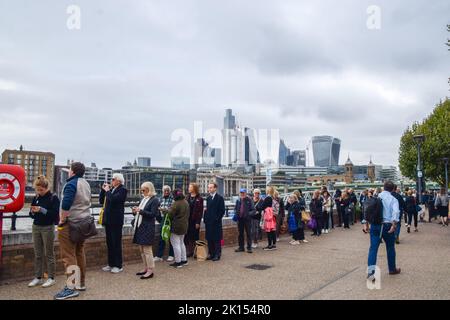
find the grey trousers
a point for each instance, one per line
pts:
(44, 253)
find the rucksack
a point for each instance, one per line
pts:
(275, 207)
(373, 209)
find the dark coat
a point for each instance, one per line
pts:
(295, 209)
(196, 210)
(267, 203)
(249, 208)
(50, 205)
(179, 217)
(401, 202)
(315, 207)
(145, 233)
(114, 206)
(215, 210)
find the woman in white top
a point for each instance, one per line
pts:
(326, 211)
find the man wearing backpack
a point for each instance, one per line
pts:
(382, 213)
(244, 209)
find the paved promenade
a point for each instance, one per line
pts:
(330, 267)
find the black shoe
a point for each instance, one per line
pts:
(176, 265)
(268, 248)
(249, 251)
(239, 250)
(184, 263)
(148, 277)
(141, 273)
(408, 229)
(215, 259)
(274, 247)
(209, 258)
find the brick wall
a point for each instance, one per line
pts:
(18, 259)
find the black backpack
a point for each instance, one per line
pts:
(373, 209)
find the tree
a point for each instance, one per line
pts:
(436, 128)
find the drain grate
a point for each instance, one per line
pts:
(258, 267)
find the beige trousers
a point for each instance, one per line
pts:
(147, 256)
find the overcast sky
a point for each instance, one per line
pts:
(136, 71)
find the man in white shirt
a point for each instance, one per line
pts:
(385, 230)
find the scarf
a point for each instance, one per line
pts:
(142, 205)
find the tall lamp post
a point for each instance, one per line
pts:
(446, 174)
(419, 139)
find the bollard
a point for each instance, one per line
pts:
(13, 221)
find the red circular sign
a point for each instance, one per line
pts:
(6, 189)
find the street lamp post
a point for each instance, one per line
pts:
(446, 173)
(419, 139)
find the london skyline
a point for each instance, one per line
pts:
(137, 71)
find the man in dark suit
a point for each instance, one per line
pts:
(215, 210)
(113, 197)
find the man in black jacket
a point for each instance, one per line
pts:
(113, 198)
(245, 209)
(215, 210)
(402, 206)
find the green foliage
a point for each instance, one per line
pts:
(436, 128)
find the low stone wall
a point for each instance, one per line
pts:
(18, 254)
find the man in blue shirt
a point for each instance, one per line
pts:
(386, 230)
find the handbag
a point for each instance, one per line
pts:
(312, 224)
(82, 230)
(165, 230)
(306, 217)
(102, 212)
(201, 250)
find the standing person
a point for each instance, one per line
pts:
(244, 209)
(362, 199)
(269, 218)
(353, 203)
(215, 210)
(383, 226)
(195, 218)
(294, 212)
(337, 201)
(411, 210)
(281, 214)
(315, 208)
(441, 206)
(256, 228)
(144, 228)
(113, 200)
(45, 214)
(165, 203)
(402, 208)
(326, 209)
(75, 207)
(345, 209)
(179, 216)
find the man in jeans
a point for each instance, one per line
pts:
(245, 209)
(386, 230)
(75, 206)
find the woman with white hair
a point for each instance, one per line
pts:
(144, 227)
(113, 198)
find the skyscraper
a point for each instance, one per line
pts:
(251, 149)
(233, 142)
(326, 151)
(283, 153)
(144, 161)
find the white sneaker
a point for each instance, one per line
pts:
(326, 230)
(278, 239)
(292, 241)
(34, 282)
(254, 245)
(80, 288)
(107, 269)
(295, 243)
(323, 230)
(116, 270)
(305, 241)
(49, 283)
(170, 259)
(157, 259)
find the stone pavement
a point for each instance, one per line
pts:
(330, 267)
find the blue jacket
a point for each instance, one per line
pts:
(69, 192)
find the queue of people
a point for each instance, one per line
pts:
(254, 215)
